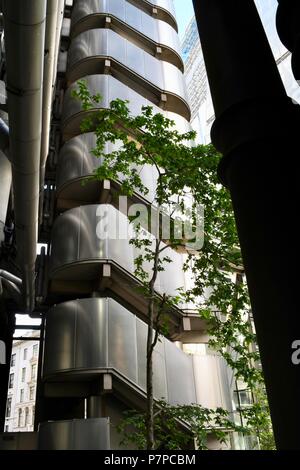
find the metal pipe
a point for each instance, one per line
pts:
(54, 18)
(24, 25)
(257, 131)
(10, 277)
(4, 137)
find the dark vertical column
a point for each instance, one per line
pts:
(7, 322)
(288, 27)
(257, 130)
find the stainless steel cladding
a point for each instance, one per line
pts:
(86, 237)
(129, 63)
(77, 163)
(160, 10)
(88, 337)
(109, 88)
(77, 434)
(146, 31)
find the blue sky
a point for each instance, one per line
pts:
(184, 12)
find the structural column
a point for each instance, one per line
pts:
(256, 129)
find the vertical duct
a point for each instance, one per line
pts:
(24, 24)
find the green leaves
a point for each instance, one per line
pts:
(176, 427)
(125, 144)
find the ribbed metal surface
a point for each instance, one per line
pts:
(128, 20)
(87, 337)
(77, 249)
(87, 50)
(88, 434)
(76, 163)
(110, 89)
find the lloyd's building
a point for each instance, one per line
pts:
(92, 363)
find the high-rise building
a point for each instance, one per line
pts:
(93, 365)
(196, 79)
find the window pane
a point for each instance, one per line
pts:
(11, 380)
(13, 360)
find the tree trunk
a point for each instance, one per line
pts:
(150, 348)
(150, 402)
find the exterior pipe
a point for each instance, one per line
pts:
(54, 18)
(10, 277)
(24, 25)
(4, 137)
(257, 131)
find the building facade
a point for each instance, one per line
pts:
(20, 407)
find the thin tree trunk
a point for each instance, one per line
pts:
(150, 348)
(150, 399)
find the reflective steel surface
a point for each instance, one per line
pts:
(91, 336)
(110, 89)
(76, 162)
(77, 434)
(130, 21)
(88, 236)
(89, 47)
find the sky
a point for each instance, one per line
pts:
(184, 12)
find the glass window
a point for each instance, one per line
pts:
(26, 416)
(22, 395)
(32, 413)
(8, 408)
(6, 428)
(13, 360)
(23, 374)
(31, 393)
(25, 354)
(19, 417)
(11, 380)
(33, 371)
(35, 350)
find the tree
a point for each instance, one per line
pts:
(182, 170)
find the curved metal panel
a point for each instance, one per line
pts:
(78, 434)
(128, 62)
(165, 4)
(162, 9)
(211, 381)
(185, 391)
(110, 89)
(131, 22)
(88, 236)
(76, 163)
(179, 378)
